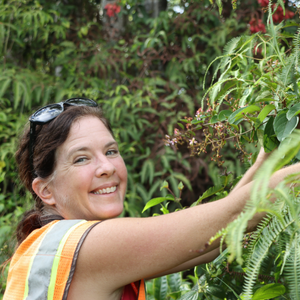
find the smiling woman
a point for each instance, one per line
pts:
(69, 160)
(90, 175)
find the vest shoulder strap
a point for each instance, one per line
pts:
(43, 266)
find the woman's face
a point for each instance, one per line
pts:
(90, 176)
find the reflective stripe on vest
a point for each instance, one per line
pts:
(43, 266)
(40, 282)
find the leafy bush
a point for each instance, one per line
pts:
(146, 76)
(256, 100)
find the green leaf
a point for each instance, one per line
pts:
(289, 155)
(265, 111)
(283, 127)
(293, 111)
(156, 201)
(224, 114)
(165, 185)
(269, 128)
(164, 209)
(17, 93)
(183, 178)
(84, 30)
(269, 291)
(180, 186)
(214, 119)
(147, 171)
(270, 143)
(4, 85)
(215, 290)
(238, 114)
(210, 192)
(180, 125)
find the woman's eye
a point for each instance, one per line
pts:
(80, 160)
(112, 152)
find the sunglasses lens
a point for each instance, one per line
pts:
(47, 113)
(81, 102)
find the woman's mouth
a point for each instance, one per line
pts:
(105, 191)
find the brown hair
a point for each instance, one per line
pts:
(48, 138)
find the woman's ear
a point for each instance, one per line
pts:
(41, 188)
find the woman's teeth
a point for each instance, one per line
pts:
(105, 191)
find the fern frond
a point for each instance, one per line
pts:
(256, 235)
(287, 73)
(229, 50)
(292, 269)
(221, 98)
(217, 85)
(236, 231)
(296, 51)
(260, 252)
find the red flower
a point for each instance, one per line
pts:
(257, 26)
(279, 17)
(112, 9)
(263, 3)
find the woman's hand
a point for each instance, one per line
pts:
(261, 157)
(248, 177)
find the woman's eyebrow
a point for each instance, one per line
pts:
(77, 150)
(111, 144)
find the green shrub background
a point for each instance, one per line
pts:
(146, 74)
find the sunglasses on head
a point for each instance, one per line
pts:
(49, 113)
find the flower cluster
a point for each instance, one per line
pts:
(278, 16)
(263, 3)
(172, 141)
(256, 25)
(199, 114)
(204, 133)
(112, 9)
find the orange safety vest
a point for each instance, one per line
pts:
(43, 266)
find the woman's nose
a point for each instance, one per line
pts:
(105, 167)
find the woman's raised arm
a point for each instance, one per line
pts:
(120, 251)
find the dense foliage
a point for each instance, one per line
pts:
(147, 73)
